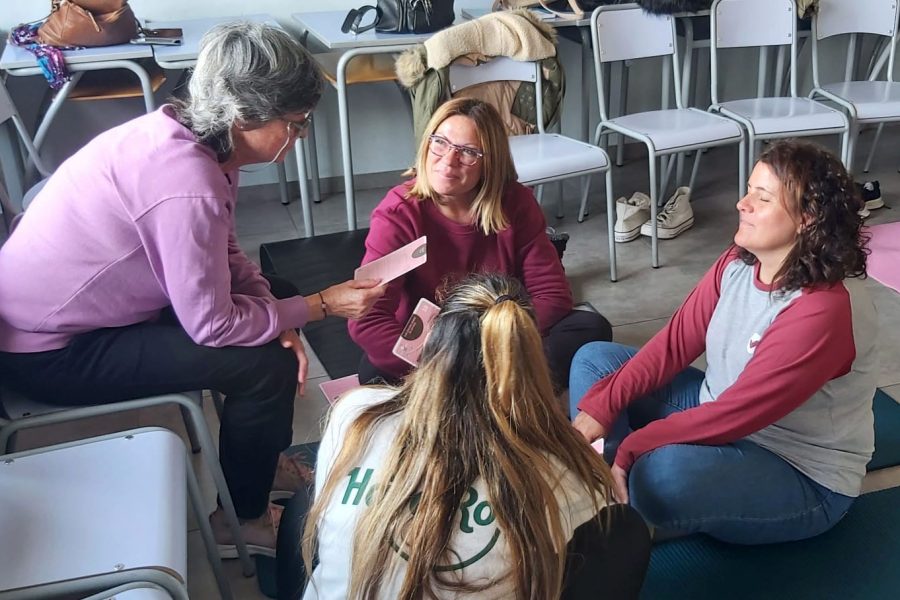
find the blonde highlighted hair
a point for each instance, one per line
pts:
(497, 167)
(479, 406)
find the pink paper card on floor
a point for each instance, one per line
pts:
(412, 339)
(334, 388)
(397, 263)
(598, 446)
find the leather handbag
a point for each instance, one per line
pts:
(402, 16)
(88, 23)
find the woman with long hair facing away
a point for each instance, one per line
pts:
(468, 481)
(465, 197)
(771, 443)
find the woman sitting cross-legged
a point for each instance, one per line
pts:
(466, 200)
(771, 443)
(468, 481)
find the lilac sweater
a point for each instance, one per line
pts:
(139, 219)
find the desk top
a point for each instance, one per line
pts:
(326, 28)
(547, 17)
(193, 30)
(15, 57)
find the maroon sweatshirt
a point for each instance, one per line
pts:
(522, 250)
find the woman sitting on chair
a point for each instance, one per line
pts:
(771, 443)
(468, 481)
(124, 279)
(465, 198)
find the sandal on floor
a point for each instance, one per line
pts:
(229, 550)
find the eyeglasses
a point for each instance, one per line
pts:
(440, 146)
(301, 125)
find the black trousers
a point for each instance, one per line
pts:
(608, 559)
(147, 359)
(561, 343)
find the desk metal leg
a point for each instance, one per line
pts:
(344, 117)
(300, 154)
(346, 154)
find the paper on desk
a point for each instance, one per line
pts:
(334, 388)
(397, 263)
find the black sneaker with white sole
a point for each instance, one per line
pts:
(870, 191)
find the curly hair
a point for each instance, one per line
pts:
(818, 190)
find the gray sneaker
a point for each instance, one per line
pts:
(675, 217)
(630, 215)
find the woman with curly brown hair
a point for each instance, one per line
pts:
(770, 443)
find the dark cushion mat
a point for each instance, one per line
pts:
(856, 559)
(313, 264)
(887, 433)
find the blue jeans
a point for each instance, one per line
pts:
(738, 492)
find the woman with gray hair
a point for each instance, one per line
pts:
(124, 279)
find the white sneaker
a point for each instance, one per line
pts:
(630, 215)
(675, 217)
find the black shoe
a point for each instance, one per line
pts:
(870, 191)
(559, 241)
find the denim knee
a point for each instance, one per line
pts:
(658, 483)
(593, 362)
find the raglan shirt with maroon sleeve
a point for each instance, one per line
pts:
(793, 373)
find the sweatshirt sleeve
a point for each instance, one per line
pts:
(807, 345)
(538, 263)
(378, 331)
(187, 243)
(246, 277)
(670, 351)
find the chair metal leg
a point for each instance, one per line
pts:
(189, 427)
(212, 554)
(742, 169)
(212, 463)
(623, 99)
(313, 154)
(872, 149)
(282, 184)
(539, 194)
(654, 209)
(695, 169)
(610, 225)
(585, 189)
(559, 200)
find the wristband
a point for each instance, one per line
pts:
(323, 304)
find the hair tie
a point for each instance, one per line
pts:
(503, 298)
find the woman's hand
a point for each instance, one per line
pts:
(352, 299)
(587, 426)
(620, 484)
(289, 339)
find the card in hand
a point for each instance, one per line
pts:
(598, 446)
(397, 263)
(333, 389)
(415, 332)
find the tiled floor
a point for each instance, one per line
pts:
(637, 305)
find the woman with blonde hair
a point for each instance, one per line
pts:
(464, 196)
(468, 481)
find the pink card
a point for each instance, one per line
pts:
(598, 446)
(397, 263)
(412, 339)
(334, 388)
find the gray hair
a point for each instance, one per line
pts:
(247, 73)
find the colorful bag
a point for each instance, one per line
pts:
(88, 23)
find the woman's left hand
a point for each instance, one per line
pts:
(620, 484)
(290, 339)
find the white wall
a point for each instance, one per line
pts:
(378, 119)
